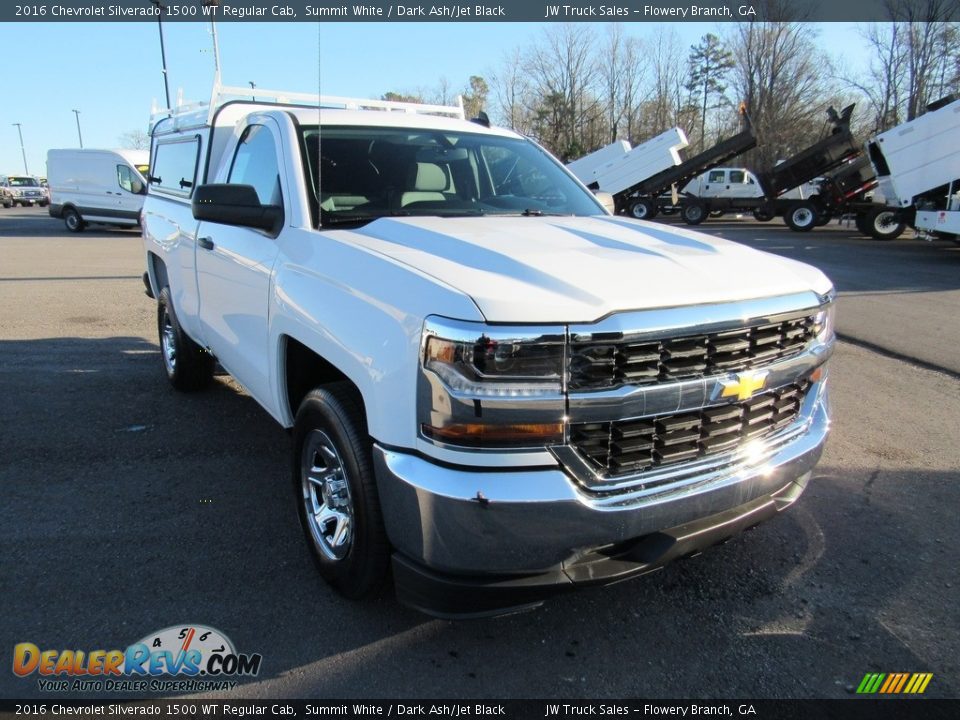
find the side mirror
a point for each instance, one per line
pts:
(235, 205)
(606, 199)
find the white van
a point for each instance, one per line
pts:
(97, 186)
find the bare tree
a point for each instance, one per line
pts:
(135, 140)
(621, 74)
(782, 78)
(563, 71)
(511, 92)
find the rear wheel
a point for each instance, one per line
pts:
(73, 221)
(643, 209)
(336, 491)
(188, 366)
(884, 224)
(802, 217)
(694, 213)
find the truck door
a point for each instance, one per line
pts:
(235, 264)
(742, 185)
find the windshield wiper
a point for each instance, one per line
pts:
(533, 212)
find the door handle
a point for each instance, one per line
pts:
(205, 242)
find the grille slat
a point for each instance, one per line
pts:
(631, 446)
(610, 360)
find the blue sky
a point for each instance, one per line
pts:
(110, 72)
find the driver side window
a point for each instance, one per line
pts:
(255, 163)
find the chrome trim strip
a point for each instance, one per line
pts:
(661, 323)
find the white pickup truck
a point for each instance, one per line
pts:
(496, 389)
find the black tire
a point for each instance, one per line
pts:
(860, 221)
(643, 209)
(762, 215)
(693, 213)
(884, 223)
(333, 477)
(802, 217)
(73, 221)
(43, 203)
(188, 366)
(7, 204)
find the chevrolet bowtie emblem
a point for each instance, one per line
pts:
(745, 385)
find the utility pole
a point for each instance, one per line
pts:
(22, 151)
(79, 135)
(163, 55)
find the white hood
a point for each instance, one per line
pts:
(577, 270)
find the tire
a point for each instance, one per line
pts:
(884, 224)
(801, 217)
(188, 366)
(336, 492)
(43, 204)
(860, 221)
(762, 215)
(824, 219)
(693, 213)
(73, 221)
(7, 204)
(717, 213)
(643, 209)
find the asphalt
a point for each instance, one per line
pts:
(129, 507)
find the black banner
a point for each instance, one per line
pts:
(852, 709)
(455, 11)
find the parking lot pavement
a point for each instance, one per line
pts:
(902, 296)
(129, 507)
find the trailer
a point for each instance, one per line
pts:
(917, 164)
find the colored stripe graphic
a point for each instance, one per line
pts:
(894, 683)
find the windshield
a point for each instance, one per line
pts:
(370, 172)
(23, 182)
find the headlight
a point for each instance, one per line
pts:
(508, 366)
(484, 386)
(823, 322)
(17, 193)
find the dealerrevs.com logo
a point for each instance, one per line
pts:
(180, 658)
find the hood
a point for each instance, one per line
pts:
(580, 269)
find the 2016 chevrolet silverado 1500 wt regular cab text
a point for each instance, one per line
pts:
(494, 387)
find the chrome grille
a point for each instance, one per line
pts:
(632, 446)
(609, 360)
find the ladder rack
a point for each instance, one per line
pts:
(201, 114)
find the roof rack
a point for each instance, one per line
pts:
(199, 114)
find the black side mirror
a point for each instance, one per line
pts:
(235, 205)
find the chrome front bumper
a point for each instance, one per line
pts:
(474, 522)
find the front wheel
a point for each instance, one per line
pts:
(188, 366)
(762, 215)
(802, 217)
(336, 491)
(643, 209)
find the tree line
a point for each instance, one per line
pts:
(579, 87)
